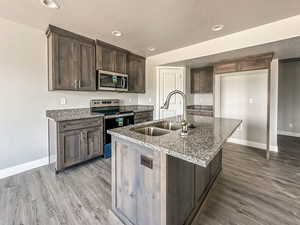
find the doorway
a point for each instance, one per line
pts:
(170, 79)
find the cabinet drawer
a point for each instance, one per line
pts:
(143, 115)
(200, 113)
(79, 124)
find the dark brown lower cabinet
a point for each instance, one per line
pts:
(93, 141)
(140, 117)
(71, 148)
(150, 187)
(73, 142)
(201, 113)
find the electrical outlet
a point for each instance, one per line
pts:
(250, 100)
(291, 125)
(150, 100)
(130, 100)
(63, 101)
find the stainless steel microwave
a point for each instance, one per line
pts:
(110, 81)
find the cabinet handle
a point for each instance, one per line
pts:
(75, 83)
(79, 84)
(147, 162)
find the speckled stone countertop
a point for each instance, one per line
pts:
(199, 147)
(84, 113)
(71, 114)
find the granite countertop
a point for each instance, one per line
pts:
(71, 114)
(84, 113)
(199, 147)
(200, 108)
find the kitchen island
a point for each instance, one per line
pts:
(162, 178)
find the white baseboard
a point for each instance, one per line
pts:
(288, 133)
(252, 144)
(7, 172)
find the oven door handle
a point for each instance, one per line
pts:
(123, 82)
(119, 115)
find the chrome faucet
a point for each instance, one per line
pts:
(184, 124)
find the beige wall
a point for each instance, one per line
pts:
(243, 95)
(288, 93)
(24, 97)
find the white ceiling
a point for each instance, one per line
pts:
(163, 24)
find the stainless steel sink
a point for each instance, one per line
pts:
(168, 125)
(151, 131)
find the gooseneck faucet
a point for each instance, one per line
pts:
(184, 124)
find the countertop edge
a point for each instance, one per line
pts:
(160, 149)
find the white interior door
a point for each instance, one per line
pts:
(170, 79)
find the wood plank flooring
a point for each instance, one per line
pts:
(251, 191)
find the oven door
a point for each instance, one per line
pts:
(115, 121)
(112, 81)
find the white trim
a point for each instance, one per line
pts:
(252, 144)
(10, 171)
(288, 133)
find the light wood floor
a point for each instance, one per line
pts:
(251, 191)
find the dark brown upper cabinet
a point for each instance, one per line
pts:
(71, 61)
(202, 80)
(136, 73)
(110, 58)
(254, 62)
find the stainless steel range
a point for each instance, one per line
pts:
(115, 116)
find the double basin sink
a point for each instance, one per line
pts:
(158, 129)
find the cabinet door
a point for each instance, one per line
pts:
(126, 181)
(87, 69)
(71, 148)
(136, 74)
(121, 62)
(149, 186)
(202, 80)
(106, 58)
(64, 67)
(94, 142)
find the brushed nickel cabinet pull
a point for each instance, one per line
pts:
(147, 162)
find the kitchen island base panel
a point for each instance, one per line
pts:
(150, 187)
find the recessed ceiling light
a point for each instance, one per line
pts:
(217, 27)
(117, 33)
(53, 4)
(151, 49)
